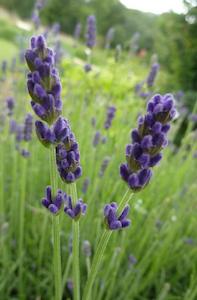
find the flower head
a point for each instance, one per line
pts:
(54, 204)
(91, 32)
(43, 81)
(147, 142)
(110, 116)
(75, 211)
(152, 75)
(113, 221)
(10, 102)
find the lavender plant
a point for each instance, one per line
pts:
(90, 40)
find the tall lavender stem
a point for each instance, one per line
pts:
(76, 237)
(102, 245)
(56, 230)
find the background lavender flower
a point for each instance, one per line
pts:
(85, 185)
(86, 248)
(28, 127)
(96, 138)
(118, 52)
(110, 116)
(104, 166)
(91, 32)
(152, 75)
(147, 142)
(114, 222)
(10, 103)
(87, 67)
(77, 31)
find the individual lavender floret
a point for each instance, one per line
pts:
(96, 138)
(87, 248)
(109, 37)
(147, 142)
(152, 75)
(104, 166)
(43, 81)
(110, 115)
(67, 155)
(91, 32)
(85, 185)
(10, 102)
(112, 221)
(77, 31)
(28, 127)
(76, 211)
(54, 204)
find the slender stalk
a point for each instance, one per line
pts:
(21, 224)
(75, 225)
(56, 231)
(100, 252)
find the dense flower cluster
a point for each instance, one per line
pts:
(110, 115)
(91, 32)
(45, 89)
(43, 81)
(112, 221)
(147, 142)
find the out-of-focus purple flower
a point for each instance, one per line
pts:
(56, 28)
(179, 95)
(10, 102)
(138, 87)
(77, 31)
(87, 68)
(75, 211)
(91, 32)
(19, 133)
(87, 248)
(58, 52)
(152, 75)
(104, 166)
(85, 185)
(104, 140)
(54, 204)
(25, 153)
(43, 81)
(144, 94)
(193, 118)
(109, 37)
(147, 142)
(132, 260)
(113, 221)
(35, 19)
(110, 115)
(93, 121)
(28, 127)
(96, 138)
(13, 126)
(67, 153)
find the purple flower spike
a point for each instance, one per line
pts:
(10, 102)
(147, 141)
(54, 204)
(110, 116)
(28, 127)
(114, 222)
(43, 81)
(152, 75)
(67, 152)
(91, 32)
(74, 212)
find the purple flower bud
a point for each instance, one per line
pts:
(110, 116)
(54, 204)
(96, 138)
(74, 212)
(113, 222)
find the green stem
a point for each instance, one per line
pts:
(56, 231)
(100, 252)
(76, 272)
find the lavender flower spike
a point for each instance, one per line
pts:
(152, 75)
(54, 204)
(10, 102)
(67, 155)
(112, 221)
(76, 211)
(91, 32)
(43, 81)
(147, 142)
(28, 127)
(110, 116)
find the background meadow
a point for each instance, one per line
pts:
(156, 257)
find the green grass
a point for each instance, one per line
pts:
(163, 215)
